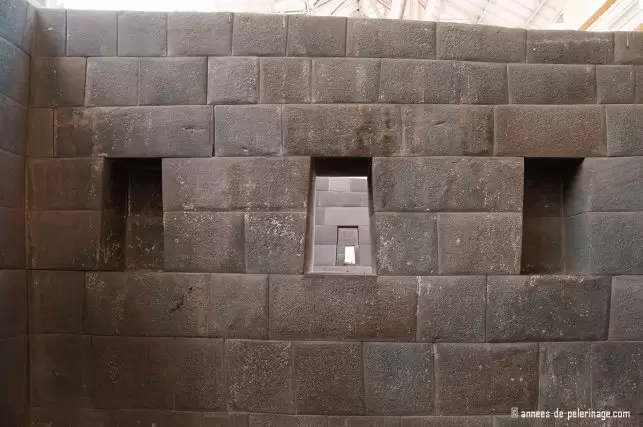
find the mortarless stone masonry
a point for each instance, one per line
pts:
(201, 311)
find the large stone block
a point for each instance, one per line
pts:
(345, 80)
(564, 375)
(198, 33)
(40, 133)
(172, 81)
(13, 180)
(144, 243)
(50, 32)
(624, 128)
(91, 33)
(12, 238)
(284, 80)
(247, 130)
(626, 313)
(316, 36)
(204, 241)
(451, 184)
(398, 378)
(363, 422)
(12, 21)
(112, 81)
(14, 363)
(14, 72)
(259, 376)
(615, 84)
(476, 243)
(451, 308)
(551, 84)
(200, 375)
(13, 122)
(482, 43)
(409, 81)
(269, 420)
(550, 131)
(570, 47)
(329, 378)
(323, 307)
(236, 184)
(547, 308)
(342, 130)
(233, 80)
(275, 242)
(639, 84)
(13, 303)
(142, 33)
(57, 82)
(406, 243)
(628, 47)
(56, 302)
(447, 421)
(485, 378)
(260, 35)
(385, 38)
(617, 376)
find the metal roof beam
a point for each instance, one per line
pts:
(397, 9)
(484, 11)
(534, 13)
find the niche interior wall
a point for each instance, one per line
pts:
(192, 305)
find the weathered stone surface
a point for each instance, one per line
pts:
(570, 47)
(345, 80)
(226, 420)
(398, 378)
(198, 33)
(12, 22)
(406, 243)
(13, 177)
(172, 81)
(112, 81)
(13, 122)
(322, 307)
(484, 43)
(542, 245)
(476, 243)
(63, 417)
(13, 303)
(447, 130)
(40, 133)
(204, 241)
(260, 35)
(615, 84)
(56, 301)
(235, 184)
(549, 131)
(144, 243)
(617, 376)
(451, 184)
(316, 36)
(564, 375)
(485, 378)
(409, 81)
(284, 80)
(446, 421)
(639, 84)
(149, 418)
(547, 308)
(451, 308)
(626, 321)
(551, 84)
(329, 378)
(14, 362)
(233, 80)
(260, 376)
(91, 33)
(385, 38)
(247, 130)
(12, 238)
(342, 130)
(268, 420)
(50, 32)
(275, 242)
(628, 47)
(238, 306)
(57, 82)
(200, 377)
(14, 72)
(624, 127)
(363, 422)
(142, 33)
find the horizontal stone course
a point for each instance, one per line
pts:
(261, 35)
(617, 376)
(316, 36)
(345, 80)
(112, 82)
(285, 80)
(50, 33)
(142, 33)
(484, 43)
(570, 47)
(91, 33)
(628, 47)
(626, 321)
(551, 84)
(56, 302)
(624, 127)
(198, 34)
(247, 130)
(615, 84)
(57, 82)
(172, 81)
(564, 375)
(385, 38)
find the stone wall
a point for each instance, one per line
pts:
(210, 317)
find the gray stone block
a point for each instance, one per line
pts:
(484, 43)
(346, 216)
(364, 235)
(547, 308)
(549, 131)
(204, 241)
(342, 130)
(542, 245)
(385, 38)
(329, 378)
(247, 130)
(236, 184)
(451, 184)
(626, 321)
(617, 376)
(13, 303)
(284, 80)
(624, 127)
(345, 80)
(322, 183)
(322, 307)
(275, 242)
(447, 130)
(12, 239)
(628, 47)
(270, 420)
(325, 235)
(13, 122)
(451, 308)
(112, 81)
(225, 420)
(324, 255)
(200, 375)
(12, 186)
(56, 300)
(14, 72)
(316, 36)
(259, 376)
(14, 359)
(615, 84)
(172, 81)
(199, 33)
(398, 378)
(509, 378)
(639, 84)
(447, 421)
(238, 306)
(144, 243)
(12, 22)
(408, 81)
(338, 199)
(339, 183)
(564, 375)
(570, 47)
(359, 185)
(260, 35)
(91, 33)
(551, 84)
(363, 422)
(40, 133)
(142, 33)
(406, 243)
(57, 82)
(233, 80)
(347, 236)
(29, 28)
(50, 32)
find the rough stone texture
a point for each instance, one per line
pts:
(13, 303)
(542, 245)
(284, 80)
(476, 243)
(198, 34)
(451, 184)
(247, 130)
(14, 72)
(40, 133)
(172, 81)
(363, 422)
(57, 82)
(615, 84)
(111, 81)
(15, 361)
(551, 84)
(13, 121)
(451, 308)
(12, 22)
(275, 242)
(345, 80)
(144, 243)
(12, 191)
(564, 376)
(485, 378)
(322, 307)
(56, 301)
(483, 43)
(200, 377)
(316, 36)
(50, 33)
(328, 378)
(268, 420)
(617, 376)
(91, 33)
(547, 308)
(628, 47)
(142, 33)
(639, 84)
(260, 35)
(626, 314)
(570, 47)
(446, 421)
(225, 420)
(398, 378)
(12, 238)
(384, 38)
(233, 80)
(550, 131)
(624, 127)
